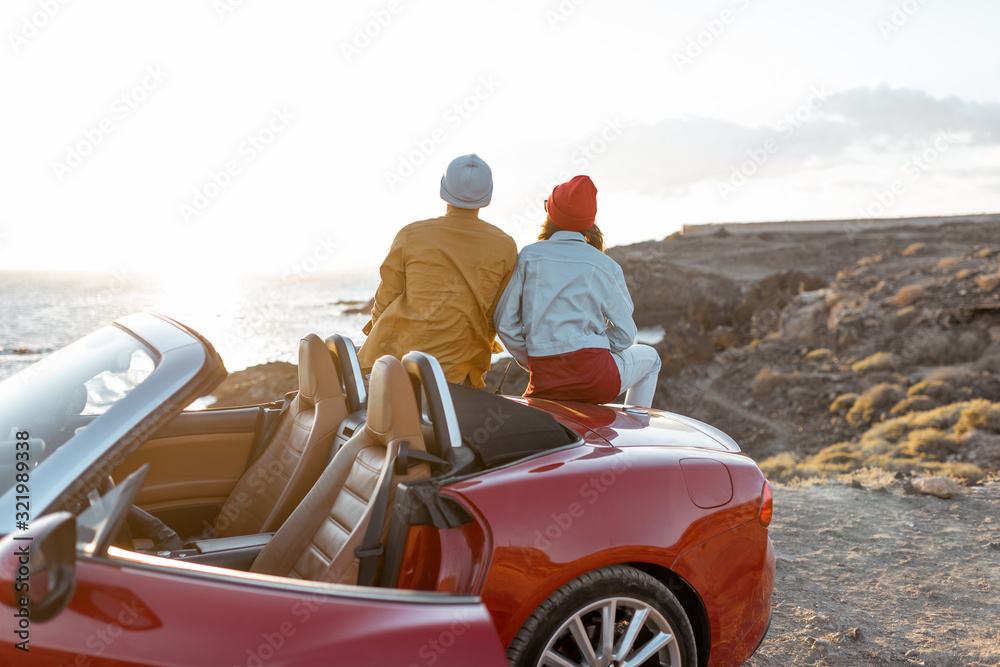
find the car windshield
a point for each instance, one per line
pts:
(47, 404)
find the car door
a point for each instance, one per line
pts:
(134, 609)
(195, 462)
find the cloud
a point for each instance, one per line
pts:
(852, 127)
(905, 113)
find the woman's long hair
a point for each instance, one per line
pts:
(593, 235)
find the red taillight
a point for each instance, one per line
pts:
(766, 505)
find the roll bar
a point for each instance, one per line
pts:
(434, 399)
(345, 358)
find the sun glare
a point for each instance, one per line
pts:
(205, 303)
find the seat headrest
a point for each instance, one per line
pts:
(392, 407)
(318, 377)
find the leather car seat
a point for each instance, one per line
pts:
(278, 479)
(319, 540)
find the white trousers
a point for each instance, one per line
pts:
(639, 366)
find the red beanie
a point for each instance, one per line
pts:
(573, 205)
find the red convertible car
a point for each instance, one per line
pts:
(404, 521)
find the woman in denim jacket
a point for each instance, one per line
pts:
(566, 315)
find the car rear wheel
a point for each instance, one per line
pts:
(613, 617)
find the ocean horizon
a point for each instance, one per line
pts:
(250, 320)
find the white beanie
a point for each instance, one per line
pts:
(467, 183)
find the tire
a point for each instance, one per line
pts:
(571, 625)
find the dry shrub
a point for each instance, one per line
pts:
(939, 348)
(893, 432)
(970, 346)
(956, 470)
(820, 354)
(780, 467)
(843, 402)
(947, 262)
(880, 361)
(944, 417)
(985, 252)
(927, 348)
(914, 403)
(989, 282)
(767, 380)
(989, 360)
(878, 377)
(940, 391)
(955, 376)
(913, 249)
(932, 442)
(907, 295)
(914, 443)
(801, 395)
(874, 403)
(871, 478)
(838, 458)
(980, 414)
(963, 274)
(903, 317)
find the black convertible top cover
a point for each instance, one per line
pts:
(501, 430)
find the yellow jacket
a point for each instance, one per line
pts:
(440, 285)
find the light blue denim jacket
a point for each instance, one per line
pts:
(565, 295)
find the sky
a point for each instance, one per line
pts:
(221, 137)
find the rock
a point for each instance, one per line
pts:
(257, 384)
(805, 318)
(942, 487)
(761, 307)
(364, 309)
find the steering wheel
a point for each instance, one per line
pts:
(146, 525)
(106, 514)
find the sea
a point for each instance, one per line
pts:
(249, 319)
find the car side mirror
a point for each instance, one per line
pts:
(37, 569)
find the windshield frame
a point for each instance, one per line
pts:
(188, 367)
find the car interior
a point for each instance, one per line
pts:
(326, 487)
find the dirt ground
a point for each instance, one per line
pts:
(873, 576)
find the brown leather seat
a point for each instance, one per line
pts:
(297, 452)
(319, 539)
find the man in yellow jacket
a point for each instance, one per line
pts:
(441, 281)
